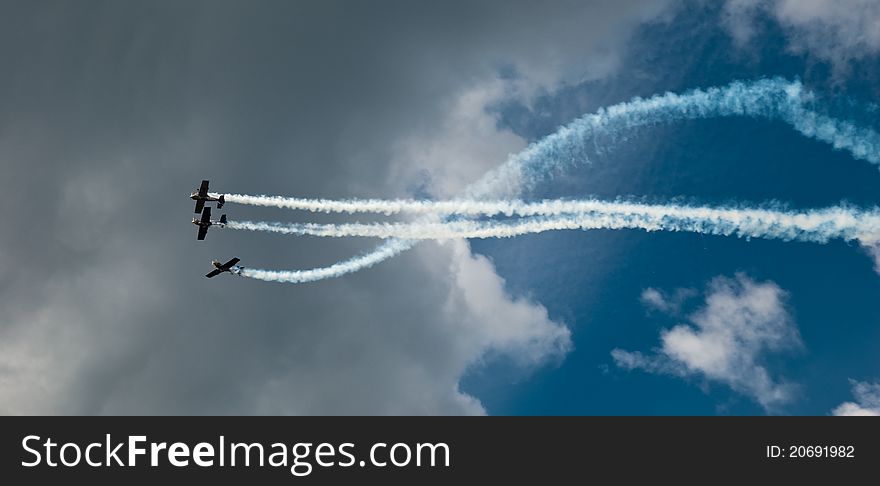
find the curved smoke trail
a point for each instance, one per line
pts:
(817, 226)
(772, 99)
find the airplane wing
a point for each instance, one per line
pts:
(203, 230)
(203, 189)
(206, 215)
(214, 273)
(200, 204)
(229, 264)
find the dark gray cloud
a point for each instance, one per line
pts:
(110, 112)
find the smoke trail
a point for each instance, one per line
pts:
(380, 206)
(771, 99)
(474, 207)
(815, 226)
(384, 252)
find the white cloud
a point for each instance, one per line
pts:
(833, 30)
(463, 145)
(667, 303)
(725, 340)
(867, 402)
(874, 253)
(653, 298)
(515, 326)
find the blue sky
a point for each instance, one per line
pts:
(593, 281)
(118, 109)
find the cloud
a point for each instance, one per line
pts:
(832, 30)
(653, 298)
(725, 340)
(669, 304)
(867, 402)
(462, 146)
(121, 109)
(874, 253)
(515, 326)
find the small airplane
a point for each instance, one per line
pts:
(219, 268)
(201, 197)
(206, 222)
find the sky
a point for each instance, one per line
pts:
(112, 112)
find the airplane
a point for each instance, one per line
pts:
(219, 268)
(201, 197)
(206, 222)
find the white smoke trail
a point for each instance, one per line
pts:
(380, 206)
(772, 99)
(815, 226)
(473, 207)
(384, 252)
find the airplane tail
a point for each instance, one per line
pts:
(221, 201)
(222, 218)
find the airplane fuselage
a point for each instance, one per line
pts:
(202, 196)
(228, 267)
(195, 197)
(205, 224)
